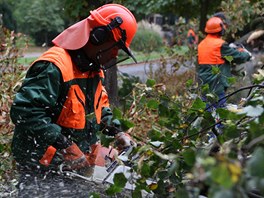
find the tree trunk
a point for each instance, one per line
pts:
(111, 85)
(203, 13)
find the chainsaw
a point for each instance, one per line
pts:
(105, 163)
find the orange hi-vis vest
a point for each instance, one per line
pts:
(209, 50)
(73, 111)
(191, 33)
(72, 114)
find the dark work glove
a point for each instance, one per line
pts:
(62, 142)
(109, 126)
(73, 157)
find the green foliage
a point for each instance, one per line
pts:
(40, 19)
(175, 152)
(254, 165)
(7, 19)
(215, 70)
(128, 83)
(10, 80)
(241, 13)
(169, 121)
(119, 183)
(79, 9)
(147, 40)
(146, 7)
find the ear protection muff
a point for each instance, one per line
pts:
(101, 34)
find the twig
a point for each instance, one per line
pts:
(243, 123)
(255, 141)
(227, 96)
(202, 131)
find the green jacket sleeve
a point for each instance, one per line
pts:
(238, 57)
(38, 93)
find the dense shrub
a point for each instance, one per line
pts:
(10, 80)
(148, 38)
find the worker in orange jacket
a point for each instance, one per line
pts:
(213, 51)
(192, 38)
(62, 100)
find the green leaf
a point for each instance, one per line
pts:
(226, 114)
(173, 167)
(163, 121)
(119, 183)
(145, 170)
(126, 124)
(205, 89)
(197, 105)
(231, 131)
(94, 195)
(182, 193)
(150, 82)
(163, 110)
(117, 113)
(215, 70)
(208, 118)
(229, 58)
(189, 82)
(153, 104)
(120, 180)
(176, 144)
(136, 193)
(221, 175)
(255, 163)
(256, 129)
(105, 140)
(154, 135)
(259, 77)
(1, 148)
(113, 189)
(231, 80)
(163, 174)
(189, 157)
(191, 132)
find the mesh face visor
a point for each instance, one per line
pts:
(121, 45)
(120, 57)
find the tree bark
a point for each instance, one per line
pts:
(203, 13)
(111, 85)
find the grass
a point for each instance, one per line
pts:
(165, 52)
(140, 56)
(33, 50)
(26, 61)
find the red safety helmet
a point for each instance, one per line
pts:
(214, 25)
(123, 31)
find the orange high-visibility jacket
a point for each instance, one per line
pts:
(73, 113)
(209, 50)
(54, 98)
(213, 51)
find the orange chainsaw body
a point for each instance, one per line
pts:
(99, 155)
